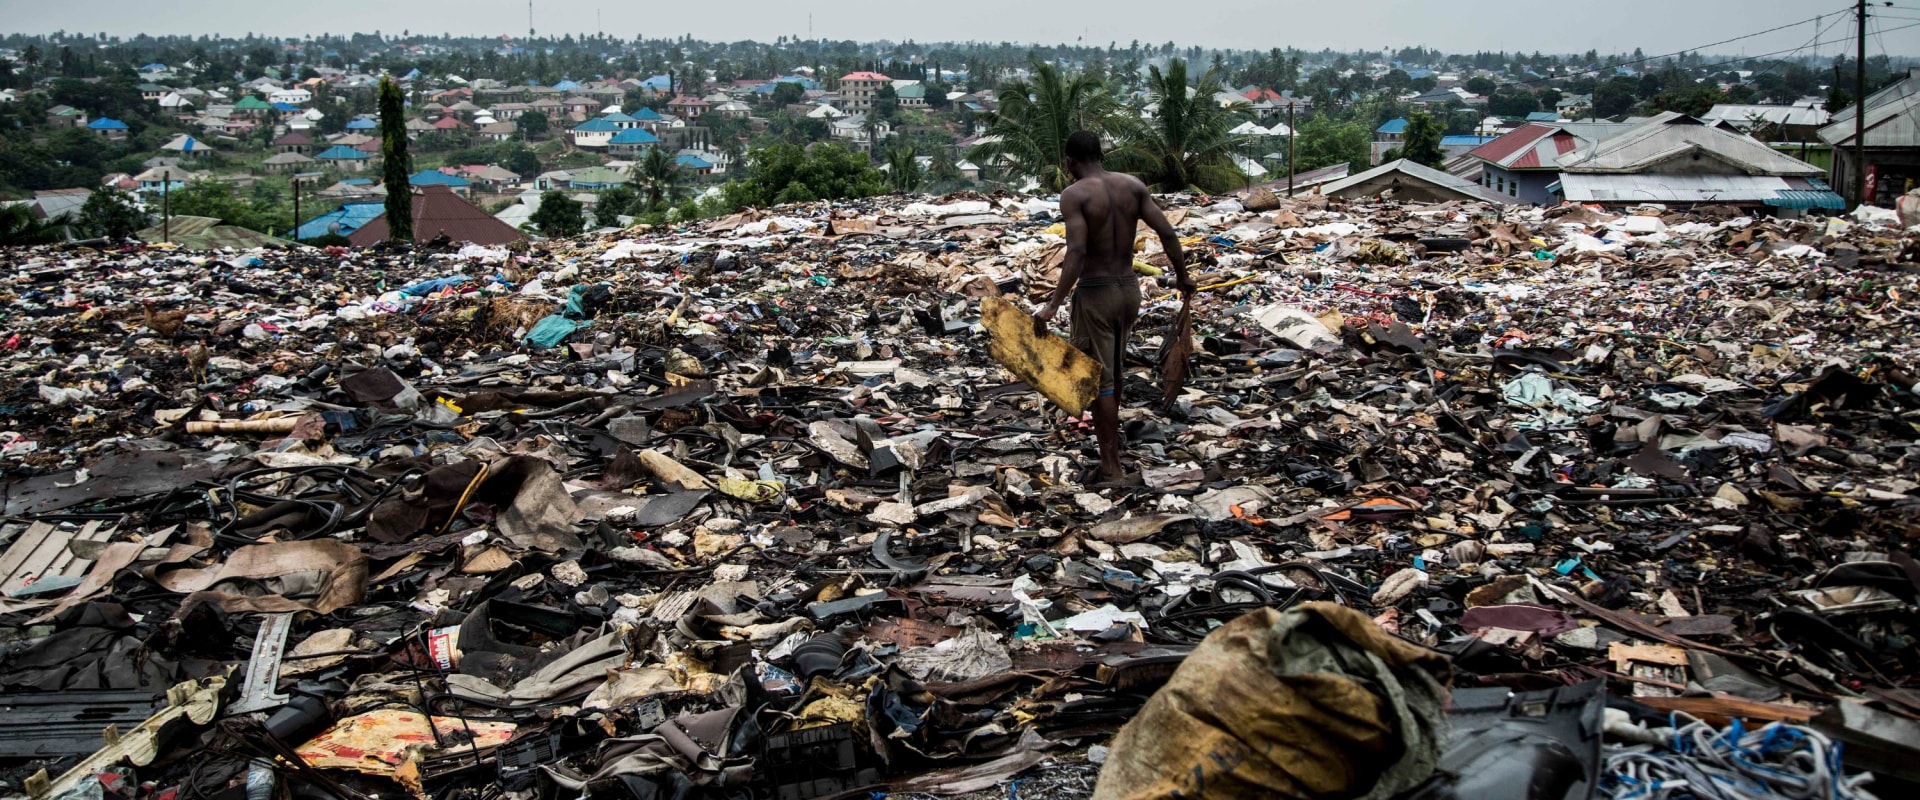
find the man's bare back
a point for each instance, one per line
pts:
(1102, 210)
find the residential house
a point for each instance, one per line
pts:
(1408, 180)
(580, 105)
(287, 162)
(434, 177)
(857, 90)
(111, 129)
(1574, 106)
(594, 133)
(1892, 143)
(694, 164)
(497, 132)
(687, 107)
(159, 179)
(507, 112)
(825, 111)
(548, 107)
(251, 106)
(1793, 123)
(439, 211)
(449, 125)
(295, 96)
(1674, 159)
(65, 116)
(489, 175)
(853, 130)
(1389, 135)
(362, 124)
(632, 142)
(177, 104)
(619, 118)
(415, 127)
(9, 95)
(1448, 96)
(657, 85)
(352, 189)
(342, 221)
(344, 157)
(910, 94)
(732, 108)
(187, 146)
(1524, 163)
(1543, 116)
(152, 92)
(596, 178)
(293, 142)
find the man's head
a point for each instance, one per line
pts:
(1083, 151)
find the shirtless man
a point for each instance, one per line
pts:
(1101, 210)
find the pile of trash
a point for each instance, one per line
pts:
(746, 509)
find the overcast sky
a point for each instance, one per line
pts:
(1658, 26)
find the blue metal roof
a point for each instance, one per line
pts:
(1805, 199)
(1465, 140)
(646, 115)
(692, 162)
(1397, 125)
(361, 124)
(349, 217)
(657, 82)
(107, 124)
(1543, 116)
(566, 85)
(341, 152)
(634, 136)
(434, 177)
(596, 124)
(285, 107)
(616, 116)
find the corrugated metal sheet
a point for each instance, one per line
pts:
(1807, 199)
(1653, 188)
(1673, 135)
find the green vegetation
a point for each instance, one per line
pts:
(784, 173)
(1188, 143)
(110, 212)
(395, 165)
(1421, 142)
(1030, 131)
(558, 215)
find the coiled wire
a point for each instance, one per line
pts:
(1779, 761)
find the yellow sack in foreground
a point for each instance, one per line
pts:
(1314, 702)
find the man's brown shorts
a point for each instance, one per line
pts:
(1102, 317)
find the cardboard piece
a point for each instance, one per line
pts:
(1046, 362)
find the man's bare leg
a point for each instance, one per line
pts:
(1106, 428)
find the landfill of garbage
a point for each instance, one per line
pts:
(746, 509)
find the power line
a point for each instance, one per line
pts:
(1629, 62)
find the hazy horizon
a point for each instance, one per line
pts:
(1455, 27)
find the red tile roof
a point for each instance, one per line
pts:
(437, 210)
(1259, 95)
(864, 76)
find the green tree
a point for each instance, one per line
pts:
(1035, 117)
(532, 125)
(614, 202)
(903, 170)
(1613, 98)
(521, 161)
(558, 215)
(1189, 143)
(18, 227)
(786, 93)
(1422, 142)
(396, 166)
(110, 212)
(786, 173)
(1512, 103)
(1692, 101)
(659, 177)
(1322, 142)
(1480, 85)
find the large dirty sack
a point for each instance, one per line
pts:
(1316, 702)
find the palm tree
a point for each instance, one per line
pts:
(1035, 117)
(659, 177)
(1189, 142)
(903, 169)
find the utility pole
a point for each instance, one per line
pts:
(1290, 105)
(1860, 106)
(296, 210)
(166, 205)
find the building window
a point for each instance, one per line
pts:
(1514, 188)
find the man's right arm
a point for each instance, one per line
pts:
(1169, 239)
(1072, 265)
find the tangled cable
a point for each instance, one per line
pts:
(1782, 761)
